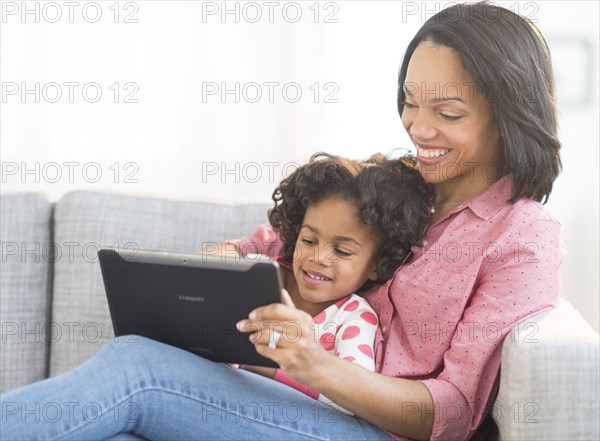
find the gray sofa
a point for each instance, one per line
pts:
(54, 314)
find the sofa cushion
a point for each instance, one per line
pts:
(25, 280)
(549, 379)
(84, 221)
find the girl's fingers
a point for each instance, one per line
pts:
(286, 299)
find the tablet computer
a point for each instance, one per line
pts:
(191, 301)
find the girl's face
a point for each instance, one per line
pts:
(449, 120)
(334, 253)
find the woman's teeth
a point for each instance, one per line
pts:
(428, 153)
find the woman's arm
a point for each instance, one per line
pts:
(263, 241)
(352, 326)
(400, 406)
(397, 405)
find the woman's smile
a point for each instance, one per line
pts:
(431, 155)
(456, 133)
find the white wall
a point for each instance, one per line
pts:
(178, 141)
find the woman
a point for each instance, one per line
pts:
(476, 96)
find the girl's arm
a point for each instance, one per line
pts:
(263, 241)
(264, 371)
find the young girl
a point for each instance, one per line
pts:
(345, 225)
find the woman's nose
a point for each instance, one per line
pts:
(421, 125)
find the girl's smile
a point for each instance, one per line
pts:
(334, 254)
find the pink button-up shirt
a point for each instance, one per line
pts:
(486, 266)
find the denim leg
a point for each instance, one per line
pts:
(126, 436)
(156, 391)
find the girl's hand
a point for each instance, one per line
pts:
(264, 371)
(298, 352)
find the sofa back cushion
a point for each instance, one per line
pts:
(25, 281)
(86, 221)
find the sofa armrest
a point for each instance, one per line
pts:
(549, 379)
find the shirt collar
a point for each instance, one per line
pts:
(490, 201)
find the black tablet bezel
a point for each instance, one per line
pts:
(191, 301)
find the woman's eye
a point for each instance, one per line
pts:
(409, 105)
(308, 242)
(450, 117)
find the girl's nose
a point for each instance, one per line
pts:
(322, 255)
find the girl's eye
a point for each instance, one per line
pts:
(408, 105)
(342, 253)
(308, 242)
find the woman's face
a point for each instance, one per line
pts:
(449, 121)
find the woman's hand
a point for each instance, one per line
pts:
(387, 402)
(298, 352)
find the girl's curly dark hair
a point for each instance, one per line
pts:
(391, 197)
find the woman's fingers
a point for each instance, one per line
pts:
(265, 332)
(275, 310)
(285, 335)
(279, 311)
(279, 322)
(266, 351)
(279, 331)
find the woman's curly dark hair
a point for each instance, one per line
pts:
(391, 197)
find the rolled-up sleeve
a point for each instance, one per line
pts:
(519, 278)
(263, 241)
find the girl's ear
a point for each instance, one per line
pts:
(373, 274)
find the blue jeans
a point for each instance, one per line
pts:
(140, 388)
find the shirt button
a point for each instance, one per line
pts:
(383, 329)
